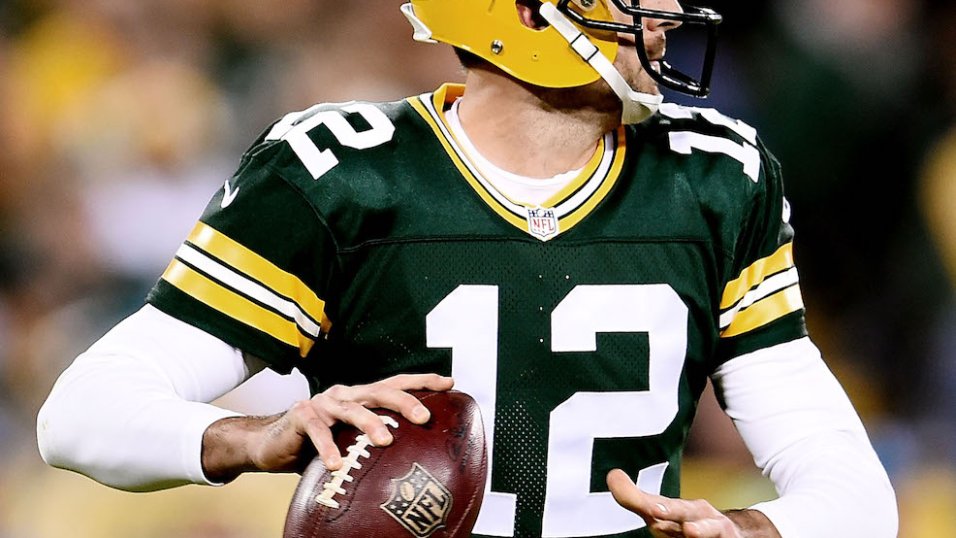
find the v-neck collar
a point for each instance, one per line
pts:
(556, 215)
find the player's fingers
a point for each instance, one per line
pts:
(682, 510)
(697, 529)
(354, 413)
(627, 494)
(661, 528)
(392, 394)
(665, 517)
(719, 527)
(419, 382)
(321, 437)
(402, 402)
(306, 420)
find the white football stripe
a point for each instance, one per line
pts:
(766, 288)
(248, 287)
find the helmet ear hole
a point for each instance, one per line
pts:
(529, 14)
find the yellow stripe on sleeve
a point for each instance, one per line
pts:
(765, 311)
(755, 274)
(236, 306)
(258, 268)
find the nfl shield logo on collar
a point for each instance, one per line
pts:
(542, 223)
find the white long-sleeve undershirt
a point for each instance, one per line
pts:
(804, 434)
(130, 413)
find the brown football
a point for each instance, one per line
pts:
(428, 483)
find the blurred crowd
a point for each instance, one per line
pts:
(119, 120)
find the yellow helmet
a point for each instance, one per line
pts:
(491, 30)
(556, 56)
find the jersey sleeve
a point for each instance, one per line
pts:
(761, 305)
(255, 270)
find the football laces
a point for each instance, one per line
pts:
(338, 478)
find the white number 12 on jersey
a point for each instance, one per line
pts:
(467, 322)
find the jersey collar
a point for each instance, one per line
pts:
(558, 214)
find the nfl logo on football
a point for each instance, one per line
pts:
(542, 222)
(419, 502)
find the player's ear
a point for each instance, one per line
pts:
(528, 14)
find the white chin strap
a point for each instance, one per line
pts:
(638, 106)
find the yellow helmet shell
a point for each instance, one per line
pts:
(491, 29)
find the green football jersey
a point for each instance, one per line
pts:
(358, 241)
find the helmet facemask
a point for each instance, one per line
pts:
(568, 18)
(664, 73)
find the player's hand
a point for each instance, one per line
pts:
(679, 518)
(279, 443)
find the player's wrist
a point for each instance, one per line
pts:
(226, 449)
(752, 523)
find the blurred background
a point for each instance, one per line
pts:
(119, 120)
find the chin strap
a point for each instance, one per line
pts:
(422, 32)
(638, 106)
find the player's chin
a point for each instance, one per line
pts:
(642, 82)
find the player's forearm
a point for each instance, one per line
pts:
(753, 524)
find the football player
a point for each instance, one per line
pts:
(577, 255)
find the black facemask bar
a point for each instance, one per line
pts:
(668, 76)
